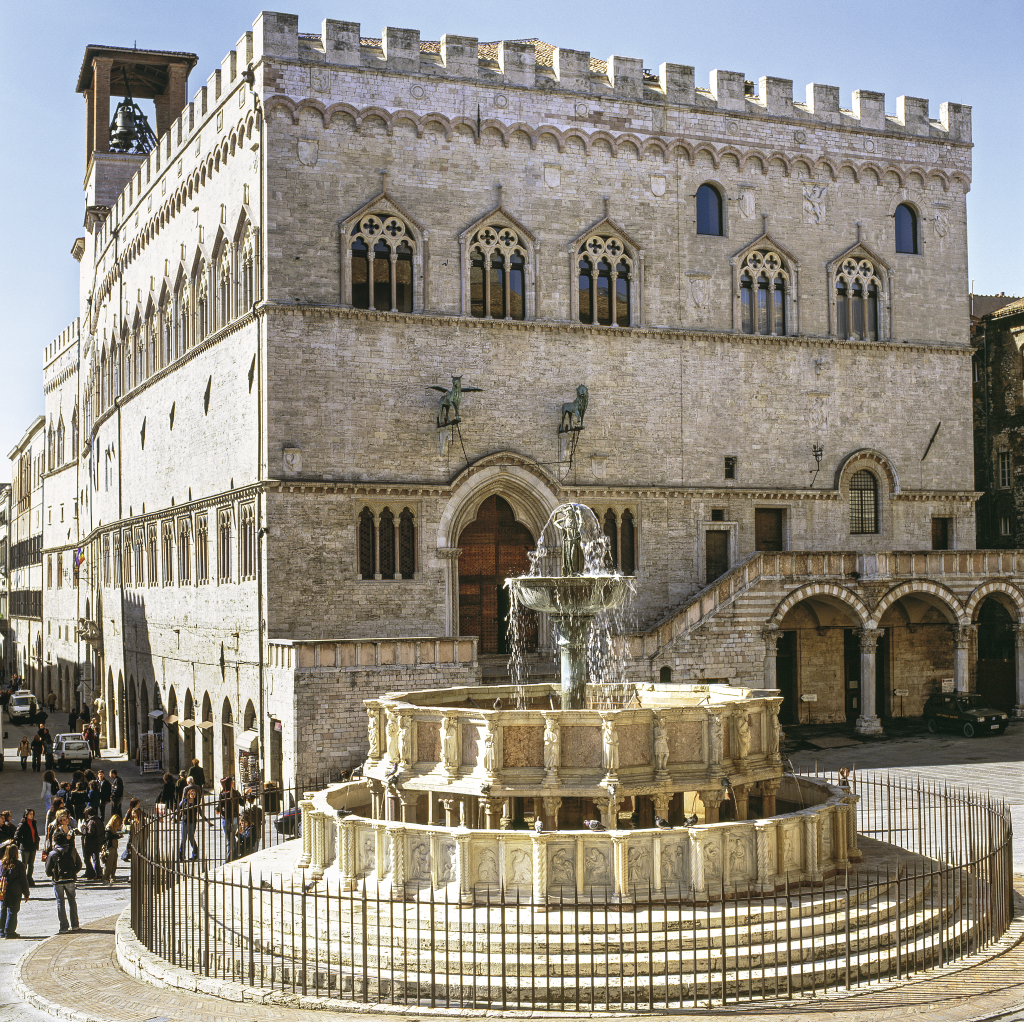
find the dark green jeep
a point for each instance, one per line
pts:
(963, 711)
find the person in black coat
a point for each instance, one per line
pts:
(167, 793)
(104, 793)
(16, 891)
(116, 793)
(92, 842)
(198, 775)
(79, 800)
(7, 828)
(73, 720)
(36, 745)
(26, 837)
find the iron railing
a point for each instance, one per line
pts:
(935, 887)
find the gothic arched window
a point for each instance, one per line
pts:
(247, 281)
(497, 273)
(764, 286)
(202, 288)
(604, 282)
(857, 289)
(60, 441)
(224, 289)
(382, 251)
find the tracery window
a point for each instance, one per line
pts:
(906, 229)
(605, 282)
(166, 320)
(857, 289)
(140, 557)
(184, 553)
(60, 570)
(106, 559)
(202, 548)
(60, 441)
(152, 349)
(224, 289)
(382, 250)
(497, 273)
(151, 542)
(224, 545)
(51, 448)
(863, 503)
(74, 433)
(140, 362)
(764, 289)
(247, 280)
(386, 544)
(247, 541)
(127, 559)
(183, 303)
(115, 544)
(202, 290)
(104, 382)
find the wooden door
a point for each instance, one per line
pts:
(940, 533)
(768, 528)
(716, 554)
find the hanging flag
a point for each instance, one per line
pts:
(79, 557)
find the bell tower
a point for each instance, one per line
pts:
(132, 74)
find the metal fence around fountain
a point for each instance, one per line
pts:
(946, 893)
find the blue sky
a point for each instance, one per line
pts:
(941, 49)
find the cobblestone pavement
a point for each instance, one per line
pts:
(51, 976)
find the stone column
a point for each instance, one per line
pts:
(450, 555)
(462, 864)
(610, 812)
(741, 795)
(961, 669)
(771, 640)
(868, 722)
(620, 866)
(451, 811)
(768, 790)
(306, 809)
(540, 869)
(1018, 632)
(409, 807)
(318, 844)
(347, 854)
(661, 804)
(811, 847)
(839, 846)
(491, 809)
(696, 864)
(712, 799)
(764, 837)
(551, 806)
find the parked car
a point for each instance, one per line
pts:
(967, 712)
(72, 751)
(289, 822)
(23, 708)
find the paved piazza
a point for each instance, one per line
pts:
(75, 976)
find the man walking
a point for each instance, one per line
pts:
(104, 793)
(66, 863)
(37, 751)
(227, 810)
(116, 794)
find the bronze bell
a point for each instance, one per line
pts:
(125, 134)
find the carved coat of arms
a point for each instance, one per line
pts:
(309, 152)
(319, 79)
(814, 203)
(658, 184)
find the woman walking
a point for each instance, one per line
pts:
(50, 788)
(111, 836)
(189, 812)
(24, 750)
(15, 885)
(27, 839)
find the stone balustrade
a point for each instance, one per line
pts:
(366, 654)
(757, 856)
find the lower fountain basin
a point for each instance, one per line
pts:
(584, 595)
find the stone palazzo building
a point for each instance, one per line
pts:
(765, 295)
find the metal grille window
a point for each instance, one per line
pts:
(247, 541)
(168, 552)
(224, 545)
(184, 553)
(406, 544)
(202, 548)
(153, 554)
(386, 544)
(366, 544)
(1004, 469)
(863, 503)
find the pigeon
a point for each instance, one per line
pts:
(497, 703)
(309, 886)
(662, 824)
(344, 812)
(392, 773)
(538, 825)
(485, 790)
(690, 821)
(594, 825)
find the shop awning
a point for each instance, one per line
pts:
(187, 722)
(156, 713)
(248, 741)
(171, 718)
(204, 725)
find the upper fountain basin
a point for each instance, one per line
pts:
(571, 594)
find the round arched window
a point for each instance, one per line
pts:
(863, 503)
(709, 211)
(906, 229)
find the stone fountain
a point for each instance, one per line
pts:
(573, 599)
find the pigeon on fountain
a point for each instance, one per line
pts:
(391, 777)
(485, 790)
(662, 824)
(345, 812)
(690, 821)
(497, 703)
(594, 825)
(538, 825)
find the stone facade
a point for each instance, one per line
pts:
(252, 431)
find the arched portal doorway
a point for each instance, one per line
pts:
(227, 739)
(817, 665)
(189, 729)
(494, 547)
(996, 674)
(172, 732)
(207, 731)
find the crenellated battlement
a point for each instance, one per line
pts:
(65, 339)
(534, 64)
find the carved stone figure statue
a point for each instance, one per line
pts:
(569, 523)
(487, 867)
(521, 869)
(742, 737)
(450, 742)
(490, 752)
(563, 869)
(715, 743)
(552, 752)
(660, 746)
(610, 740)
(394, 752)
(774, 735)
(373, 733)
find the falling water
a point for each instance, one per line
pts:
(607, 685)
